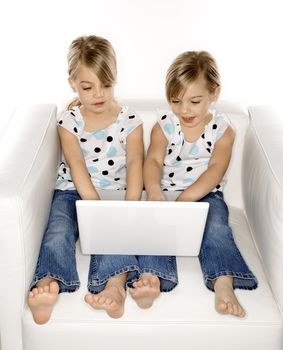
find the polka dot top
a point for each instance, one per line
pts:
(104, 150)
(184, 161)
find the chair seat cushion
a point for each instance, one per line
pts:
(179, 319)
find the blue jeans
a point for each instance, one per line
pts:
(219, 255)
(57, 256)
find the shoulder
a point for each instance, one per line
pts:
(129, 117)
(128, 121)
(219, 124)
(69, 115)
(71, 120)
(168, 123)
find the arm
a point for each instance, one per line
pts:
(217, 167)
(134, 162)
(73, 155)
(154, 164)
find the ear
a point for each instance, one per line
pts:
(72, 85)
(216, 93)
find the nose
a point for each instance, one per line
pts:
(185, 107)
(98, 92)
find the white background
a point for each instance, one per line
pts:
(243, 35)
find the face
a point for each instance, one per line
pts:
(192, 105)
(93, 95)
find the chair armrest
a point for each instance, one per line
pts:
(263, 190)
(28, 163)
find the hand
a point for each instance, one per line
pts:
(158, 196)
(184, 197)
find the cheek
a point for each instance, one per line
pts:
(175, 108)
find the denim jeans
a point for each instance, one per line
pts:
(57, 256)
(219, 255)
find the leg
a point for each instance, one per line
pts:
(56, 266)
(158, 273)
(107, 280)
(222, 264)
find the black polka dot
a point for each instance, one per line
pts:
(73, 114)
(109, 138)
(116, 179)
(104, 172)
(171, 174)
(95, 160)
(131, 116)
(218, 186)
(110, 162)
(172, 184)
(83, 140)
(164, 117)
(165, 189)
(189, 168)
(208, 150)
(97, 149)
(209, 143)
(203, 135)
(60, 122)
(178, 158)
(122, 130)
(75, 130)
(172, 144)
(214, 126)
(64, 170)
(169, 151)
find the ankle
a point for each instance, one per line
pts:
(45, 282)
(223, 281)
(117, 281)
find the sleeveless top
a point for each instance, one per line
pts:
(184, 161)
(104, 150)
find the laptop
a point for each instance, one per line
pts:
(115, 226)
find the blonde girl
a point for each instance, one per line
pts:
(190, 151)
(102, 148)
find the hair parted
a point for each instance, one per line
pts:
(186, 68)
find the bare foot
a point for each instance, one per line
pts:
(111, 299)
(42, 299)
(225, 298)
(145, 290)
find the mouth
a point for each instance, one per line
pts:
(188, 120)
(99, 104)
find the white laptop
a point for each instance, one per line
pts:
(115, 226)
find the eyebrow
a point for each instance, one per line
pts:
(190, 98)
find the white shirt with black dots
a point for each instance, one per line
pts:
(104, 150)
(184, 161)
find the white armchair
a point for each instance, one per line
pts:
(182, 319)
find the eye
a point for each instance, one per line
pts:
(195, 102)
(86, 88)
(175, 101)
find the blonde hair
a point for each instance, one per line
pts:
(95, 53)
(186, 68)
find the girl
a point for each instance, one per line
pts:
(189, 152)
(102, 149)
